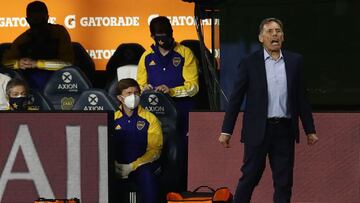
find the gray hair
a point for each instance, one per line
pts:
(16, 82)
(268, 20)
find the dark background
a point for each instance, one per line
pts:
(325, 32)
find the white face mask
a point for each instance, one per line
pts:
(132, 101)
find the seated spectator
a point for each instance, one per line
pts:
(4, 79)
(41, 49)
(138, 141)
(17, 92)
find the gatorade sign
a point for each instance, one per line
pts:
(101, 26)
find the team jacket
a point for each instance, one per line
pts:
(138, 139)
(178, 70)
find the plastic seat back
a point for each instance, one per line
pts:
(94, 100)
(172, 157)
(202, 96)
(127, 71)
(11, 73)
(65, 86)
(83, 60)
(3, 48)
(39, 101)
(125, 54)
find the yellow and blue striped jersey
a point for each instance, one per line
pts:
(138, 138)
(178, 70)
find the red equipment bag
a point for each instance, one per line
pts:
(221, 195)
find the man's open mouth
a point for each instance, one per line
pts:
(275, 42)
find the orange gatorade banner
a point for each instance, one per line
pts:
(102, 25)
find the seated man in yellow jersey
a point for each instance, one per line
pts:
(17, 92)
(41, 49)
(138, 141)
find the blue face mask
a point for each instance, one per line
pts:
(19, 103)
(164, 41)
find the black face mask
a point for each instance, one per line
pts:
(164, 41)
(19, 103)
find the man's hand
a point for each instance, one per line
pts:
(224, 139)
(123, 170)
(25, 63)
(148, 87)
(312, 139)
(163, 88)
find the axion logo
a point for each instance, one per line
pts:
(93, 99)
(153, 99)
(66, 77)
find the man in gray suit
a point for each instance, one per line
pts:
(272, 81)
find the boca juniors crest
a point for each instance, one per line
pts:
(176, 61)
(140, 125)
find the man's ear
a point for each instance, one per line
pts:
(120, 98)
(261, 39)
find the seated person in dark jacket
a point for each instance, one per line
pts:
(41, 49)
(138, 141)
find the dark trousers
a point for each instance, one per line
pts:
(278, 144)
(146, 184)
